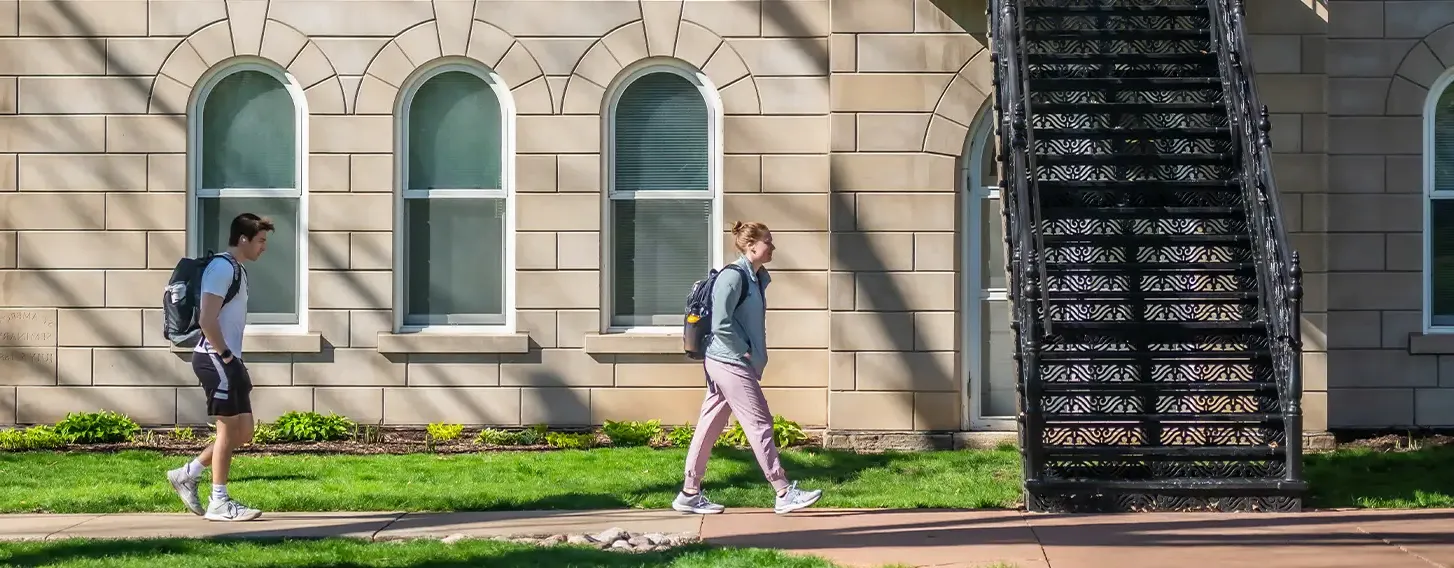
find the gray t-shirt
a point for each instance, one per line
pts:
(216, 279)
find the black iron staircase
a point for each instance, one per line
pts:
(1156, 298)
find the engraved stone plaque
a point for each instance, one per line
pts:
(27, 366)
(28, 328)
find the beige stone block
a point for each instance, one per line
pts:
(348, 367)
(1375, 57)
(328, 172)
(871, 410)
(936, 331)
(363, 405)
(73, 366)
(893, 172)
(874, 252)
(351, 212)
(741, 174)
(888, 92)
(152, 367)
(38, 133)
(327, 251)
(566, 18)
(560, 289)
(9, 176)
(793, 95)
(578, 251)
(99, 328)
(331, 324)
(535, 173)
(1370, 408)
(806, 406)
(149, 406)
(350, 290)
(1405, 174)
(776, 134)
(268, 403)
(657, 371)
(535, 251)
(579, 173)
(629, 343)
(843, 53)
(906, 291)
(538, 326)
(364, 18)
(873, 16)
(79, 289)
(7, 249)
(557, 212)
(555, 368)
(892, 132)
(138, 55)
(840, 291)
(1372, 290)
(451, 343)
(81, 172)
(182, 18)
(798, 290)
(555, 406)
(945, 137)
(695, 44)
(1276, 53)
(797, 329)
(420, 43)
(81, 249)
(872, 331)
(454, 370)
(558, 55)
(214, 44)
(795, 173)
(795, 251)
(542, 134)
(727, 18)
(146, 211)
(740, 97)
(670, 405)
(878, 371)
(7, 405)
(371, 173)
(51, 56)
(780, 212)
(350, 134)
(1404, 251)
(1374, 135)
(152, 133)
(28, 328)
(796, 368)
(844, 137)
(795, 18)
(518, 66)
(1292, 93)
(83, 95)
(934, 251)
(464, 405)
(364, 327)
(787, 57)
(166, 172)
(906, 212)
(1413, 19)
(1373, 212)
(168, 96)
(936, 411)
(572, 326)
(1357, 96)
(27, 366)
(899, 53)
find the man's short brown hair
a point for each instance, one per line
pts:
(247, 225)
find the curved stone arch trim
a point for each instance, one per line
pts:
(488, 46)
(958, 108)
(627, 45)
(211, 45)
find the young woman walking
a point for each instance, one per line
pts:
(735, 358)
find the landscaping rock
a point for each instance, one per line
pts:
(451, 539)
(613, 534)
(620, 544)
(656, 538)
(645, 548)
(638, 541)
(555, 539)
(580, 540)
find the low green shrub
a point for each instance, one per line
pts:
(443, 432)
(785, 433)
(32, 438)
(497, 437)
(265, 433)
(104, 427)
(632, 433)
(298, 426)
(733, 437)
(680, 437)
(185, 434)
(368, 433)
(534, 435)
(571, 441)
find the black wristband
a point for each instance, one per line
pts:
(225, 354)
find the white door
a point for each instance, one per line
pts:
(990, 345)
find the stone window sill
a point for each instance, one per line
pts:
(454, 343)
(634, 343)
(1431, 343)
(311, 342)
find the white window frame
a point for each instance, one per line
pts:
(1431, 193)
(299, 191)
(608, 173)
(453, 323)
(976, 198)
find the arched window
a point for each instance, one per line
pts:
(456, 240)
(663, 153)
(991, 347)
(247, 150)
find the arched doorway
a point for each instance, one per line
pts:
(989, 347)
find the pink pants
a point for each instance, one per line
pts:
(734, 389)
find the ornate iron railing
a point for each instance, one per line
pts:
(1022, 218)
(1279, 273)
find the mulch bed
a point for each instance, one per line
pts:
(1398, 442)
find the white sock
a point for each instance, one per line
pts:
(193, 469)
(219, 492)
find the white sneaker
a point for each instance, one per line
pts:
(229, 510)
(796, 499)
(186, 487)
(696, 504)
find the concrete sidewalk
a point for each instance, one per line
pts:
(969, 539)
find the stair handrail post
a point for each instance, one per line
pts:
(1032, 172)
(1279, 270)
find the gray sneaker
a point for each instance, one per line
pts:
(229, 510)
(796, 499)
(698, 504)
(186, 487)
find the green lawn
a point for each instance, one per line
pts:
(134, 481)
(341, 553)
(1376, 479)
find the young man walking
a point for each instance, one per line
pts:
(217, 360)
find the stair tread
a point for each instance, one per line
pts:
(1206, 357)
(1220, 388)
(1167, 158)
(1145, 239)
(1120, 58)
(1162, 326)
(1138, 133)
(1185, 483)
(1116, 10)
(1138, 184)
(1053, 451)
(1065, 417)
(1198, 296)
(1148, 212)
(1146, 268)
(1127, 108)
(1112, 34)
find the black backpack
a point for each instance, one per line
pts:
(697, 324)
(182, 298)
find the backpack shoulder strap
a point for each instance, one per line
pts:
(746, 279)
(236, 279)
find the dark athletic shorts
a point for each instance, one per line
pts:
(228, 387)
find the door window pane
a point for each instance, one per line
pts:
(659, 250)
(248, 136)
(992, 245)
(455, 263)
(997, 382)
(272, 281)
